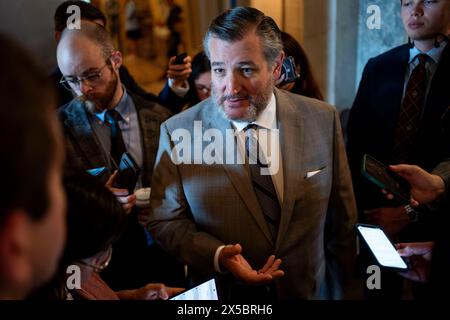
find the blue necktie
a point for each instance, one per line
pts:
(117, 143)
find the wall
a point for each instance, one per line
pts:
(31, 23)
(372, 42)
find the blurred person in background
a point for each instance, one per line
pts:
(32, 210)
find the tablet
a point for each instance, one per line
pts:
(205, 291)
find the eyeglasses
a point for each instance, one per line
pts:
(92, 79)
(106, 258)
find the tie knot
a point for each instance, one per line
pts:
(251, 126)
(422, 58)
(113, 116)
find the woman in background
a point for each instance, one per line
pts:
(305, 85)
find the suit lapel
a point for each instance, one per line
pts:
(77, 123)
(238, 173)
(290, 124)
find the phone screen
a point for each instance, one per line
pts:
(379, 174)
(204, 291)
(381, 247)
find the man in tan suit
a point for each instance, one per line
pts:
(282, 231)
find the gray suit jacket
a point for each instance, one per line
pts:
(197, 208)
(83, 148)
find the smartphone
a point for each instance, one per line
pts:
(385, 178)
(180, 58)
(205, 291)
(381, 247)
(128, 173)
(289, 71)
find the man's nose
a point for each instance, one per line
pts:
(233, 83)
(417, 9)
(85, 88)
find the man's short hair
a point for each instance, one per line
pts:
(28, 142)
(234, 24)
(87, 12)
(95, 33)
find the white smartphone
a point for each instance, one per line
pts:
(205, 291)
(381, 247)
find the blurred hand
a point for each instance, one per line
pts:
(127, 201)
(419, 255)
(152, 291)
(391, 220)
(179, 73)
(231, 258)
(425, 187)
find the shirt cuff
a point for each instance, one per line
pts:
(216, 259)
(179, 91)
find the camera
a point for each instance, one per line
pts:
(288, 71)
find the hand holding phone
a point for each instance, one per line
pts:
(288, 71)
(386, 179)
(179, 59)
(128, 173)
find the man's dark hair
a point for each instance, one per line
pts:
(87, 12)
(234, 24)
(28, 142)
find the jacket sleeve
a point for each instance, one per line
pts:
(171, 222)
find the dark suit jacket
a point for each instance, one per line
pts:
(373, 119)
(84, 150)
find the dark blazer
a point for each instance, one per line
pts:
(84, 148)
(373, 119)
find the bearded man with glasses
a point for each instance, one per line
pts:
(103, 116)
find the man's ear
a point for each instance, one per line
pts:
(277, 66)
(14, 251)
(116, 60)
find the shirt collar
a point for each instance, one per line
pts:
(267, 119)
(123, 108)
(434, 53)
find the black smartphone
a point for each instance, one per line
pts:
(386, 179)
(381, 247)
(180, 58)
(289, 71)
(128, 173)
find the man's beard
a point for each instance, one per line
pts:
(100, 102)
(257, 104)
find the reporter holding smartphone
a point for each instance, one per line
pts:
(430, 261)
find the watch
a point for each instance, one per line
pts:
(411, 213)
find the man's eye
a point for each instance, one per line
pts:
(93, 77)
(219, 71)
(406, 3)
(247, 71)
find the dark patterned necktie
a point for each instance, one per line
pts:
(408, 123)
(262, 183)
(117, 144)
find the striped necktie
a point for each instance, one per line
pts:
(262, 183)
